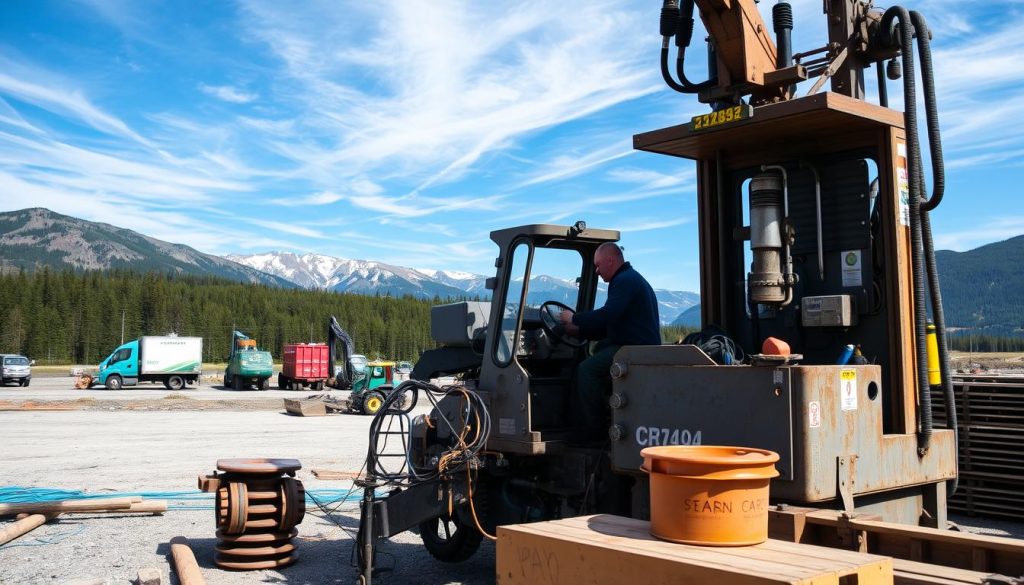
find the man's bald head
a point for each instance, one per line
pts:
(608, 259)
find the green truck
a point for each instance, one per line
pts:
(247, 365)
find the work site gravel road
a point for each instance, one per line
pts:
(150, 439)
(155, 440)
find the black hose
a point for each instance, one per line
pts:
(664, 70)
(883, 90)
(939, 317)
(914, 176)
(938, 174)
(931, 115)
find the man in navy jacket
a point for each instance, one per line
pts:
(628, 317)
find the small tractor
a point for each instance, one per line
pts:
(247, 365)
(371, 389)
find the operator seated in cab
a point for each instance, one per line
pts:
(629, 317)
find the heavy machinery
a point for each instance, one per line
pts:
(247, 365)
(344, 365)
(814, 228)
(369, 383)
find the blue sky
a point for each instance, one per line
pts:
(406, 132)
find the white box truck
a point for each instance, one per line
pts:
(175, 361)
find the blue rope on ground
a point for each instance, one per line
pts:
(43, 541)
(184, 500)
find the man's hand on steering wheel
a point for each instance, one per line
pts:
(559, 325)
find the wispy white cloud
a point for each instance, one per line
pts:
(981, 233)
(450, 85)
(566, 166)
(228, 93)
(285, 227)
(64, 101)
(418, 206)
(651, 179)
(649, 224)
(324, 198)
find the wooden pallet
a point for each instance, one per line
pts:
(990, 421)
(612, 550)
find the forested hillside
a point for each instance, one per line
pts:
(981, 288)
(75, 317)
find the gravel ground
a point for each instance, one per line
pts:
(153, 440)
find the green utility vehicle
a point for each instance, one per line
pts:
(371, 388)
(247, 365)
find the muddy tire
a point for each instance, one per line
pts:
(448, 540)
(373, 402)
(114, 382)
(175, 382)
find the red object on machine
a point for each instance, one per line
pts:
(305, 361)
(775, 346)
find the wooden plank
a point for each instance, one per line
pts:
(70, 505)
(21, 527)
(912, 573)
(807, 124)
(902, 349)
(610, 549)
(330, 474)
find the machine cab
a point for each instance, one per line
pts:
(528, 365)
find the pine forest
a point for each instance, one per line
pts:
(76, 317)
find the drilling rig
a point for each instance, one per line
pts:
(813, 228)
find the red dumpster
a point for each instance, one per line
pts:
(305, 365)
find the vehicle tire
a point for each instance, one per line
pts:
(236, 382)
(281, 384)
(25, 382)
(264, 384)
(373, 402)
(225, 382)
(114, 382)
(320, 386)
(448, 540)
(175, 382)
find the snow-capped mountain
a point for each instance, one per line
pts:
(360, 276)
(367, 277)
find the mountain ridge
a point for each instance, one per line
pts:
(36, 237)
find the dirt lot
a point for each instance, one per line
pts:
(971, 362)
(155, 440)
(150, 439)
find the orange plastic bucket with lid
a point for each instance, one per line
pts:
(709, 495)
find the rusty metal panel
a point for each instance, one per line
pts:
(811, 415)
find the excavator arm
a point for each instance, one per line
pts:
(745, 50)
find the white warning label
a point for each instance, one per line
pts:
(848, 389)
(814, 414)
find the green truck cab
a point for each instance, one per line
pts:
(247, 365)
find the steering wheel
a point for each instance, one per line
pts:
(552, 325)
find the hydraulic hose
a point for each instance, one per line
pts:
(914, 176)
(931, 112)
(938, 188)
(678, 22)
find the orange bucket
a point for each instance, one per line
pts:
(709, 495)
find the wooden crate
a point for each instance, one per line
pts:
(612, 550)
